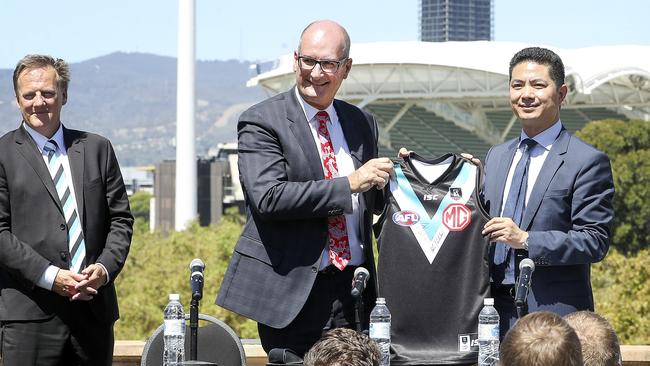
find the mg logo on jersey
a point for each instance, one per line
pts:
(406, 218)
(456, 217)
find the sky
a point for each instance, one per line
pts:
(261, 30)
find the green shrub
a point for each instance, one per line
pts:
(158, 265)
(621, 285)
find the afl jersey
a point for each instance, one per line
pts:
(433, 265)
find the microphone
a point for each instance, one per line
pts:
(359, 282)
(196, 278)
(526, 268)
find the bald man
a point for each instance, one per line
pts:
(311, 177)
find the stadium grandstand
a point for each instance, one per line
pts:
(438, 97)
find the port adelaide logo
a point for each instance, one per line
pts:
(406, 218)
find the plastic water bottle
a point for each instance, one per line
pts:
(174, 334)
(488, 334)
(380, 330)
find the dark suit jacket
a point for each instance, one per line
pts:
(277, 257)
(33, 233)
(568, 218)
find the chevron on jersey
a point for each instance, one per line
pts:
(429, 231)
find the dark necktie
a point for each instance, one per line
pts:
(514, 208)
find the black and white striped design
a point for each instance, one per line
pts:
(76, 243)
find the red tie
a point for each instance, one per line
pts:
(339, 245)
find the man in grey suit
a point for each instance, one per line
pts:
(550, 195)
(308, 166)
(65, 229)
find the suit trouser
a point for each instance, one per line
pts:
(75, 338)
(328, 306)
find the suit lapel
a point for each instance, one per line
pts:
(300, 128)
(75, 149)
(502, 176)
(350, 131)
(33, 156)
(553, 162)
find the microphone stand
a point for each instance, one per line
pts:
(522, 310)
(358, 313)
(194, 326)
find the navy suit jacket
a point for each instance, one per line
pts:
(33, 231)
(568, 218)
(288, 200)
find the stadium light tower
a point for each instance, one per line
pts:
(185, 205)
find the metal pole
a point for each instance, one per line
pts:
(186, 187)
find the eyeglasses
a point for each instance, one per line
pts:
(328, 66)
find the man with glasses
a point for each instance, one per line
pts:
(308, 166)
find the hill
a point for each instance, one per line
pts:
(131, 99)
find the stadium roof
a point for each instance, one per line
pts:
(453, 96)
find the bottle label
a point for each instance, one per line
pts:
(380, 330)
(488, 331)
(174, 327)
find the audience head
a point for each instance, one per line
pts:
(343, 347)
(598, 339)
(541, 339)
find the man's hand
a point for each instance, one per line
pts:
(503, 229)
(65, 283)
(375, 172)
(95, 277)
(403, 152)
(471, 157)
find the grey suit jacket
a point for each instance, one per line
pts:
(33, 231)
(568, 217)
(276, 259)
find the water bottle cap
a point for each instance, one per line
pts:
(173, 297)
(488, 301)
(381, 301)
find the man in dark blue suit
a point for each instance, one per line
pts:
(561, 213)
(308, 166)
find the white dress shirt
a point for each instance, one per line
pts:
(538, 154)
(345, 168)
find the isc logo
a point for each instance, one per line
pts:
(456, 217)
(406, 218)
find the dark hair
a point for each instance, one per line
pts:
(598, 339)
(541, 339)
(540, 56)
(39, 61)
(344, 347)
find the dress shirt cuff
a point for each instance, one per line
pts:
(47, 278)
(108, 277)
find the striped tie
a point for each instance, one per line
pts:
(76, 243)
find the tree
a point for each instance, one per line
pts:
(628, 146)
(158, 265)
(621, 286)
(139, 202)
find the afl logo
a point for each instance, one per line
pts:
(406, 218)
(456, 217)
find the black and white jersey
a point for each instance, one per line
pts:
(433, 261)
